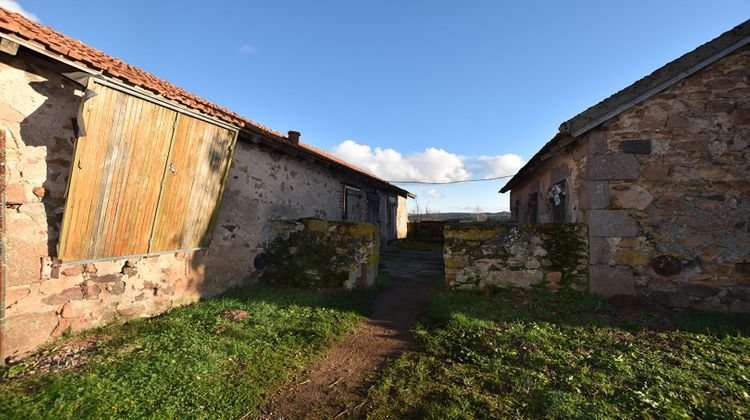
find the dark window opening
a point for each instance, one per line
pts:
(516, 213)
(557, 196)
(373, 210)
(351, 203)
(533, 216)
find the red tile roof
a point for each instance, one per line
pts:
(82, 54)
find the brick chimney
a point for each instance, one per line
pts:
(294, 136)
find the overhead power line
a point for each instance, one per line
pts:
(452, 182)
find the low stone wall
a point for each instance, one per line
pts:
(482, 256)
(317, 253)
(427, 230)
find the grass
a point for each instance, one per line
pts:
(538, 354)
(190, 362)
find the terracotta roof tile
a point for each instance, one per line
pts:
(76, 51)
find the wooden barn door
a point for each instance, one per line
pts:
(196, 172)
(145, 179)
(116, 176)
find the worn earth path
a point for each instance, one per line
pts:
(337, 385)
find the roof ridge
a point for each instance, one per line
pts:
(638, 91)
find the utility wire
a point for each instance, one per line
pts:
(452, 182)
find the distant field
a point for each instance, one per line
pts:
(490, 217)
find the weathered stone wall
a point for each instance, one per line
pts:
(665, 192)
(674, 211)
(427, 230)
(568, 167)
(37, 109)
(479, 256)
(315, 253)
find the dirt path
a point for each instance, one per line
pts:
(338, 383)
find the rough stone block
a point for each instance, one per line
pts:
(28, 331)
(699, 290)
(638, 147)
(611, 281)
(611, 223)
(670, 298)
(73, 293)
(598, 143)
(15, 294)
(15, 194)
(612, 167)
(599, 250)
(633, 197)
(655, 172)
(595, 195)
(525, 279)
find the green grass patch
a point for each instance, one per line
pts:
(537, 354)
(190, 362)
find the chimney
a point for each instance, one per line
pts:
(294, 136)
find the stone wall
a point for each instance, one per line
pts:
(568, 167)
(315, 253)
(481, 256)
(673, 219)
(665, 191)
(427, 230)
(36, 115)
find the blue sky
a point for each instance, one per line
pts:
(419, 90)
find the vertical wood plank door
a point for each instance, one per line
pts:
(116, 176)
(192, 188)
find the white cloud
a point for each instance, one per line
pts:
(246, 49)
(431, 165)
(13, 6)
(501, 165)
(433, 193)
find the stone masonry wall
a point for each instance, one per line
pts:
(37, 109)
(315, 253)
(665, 191)
(482, 256)
(427, 230)
(568, 167)
(671, 219)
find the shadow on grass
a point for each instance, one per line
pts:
(572, 308)
(192, 361)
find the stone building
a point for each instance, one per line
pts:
(660, 174)
(123, 195)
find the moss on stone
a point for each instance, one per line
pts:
(566, 248)
(316, 225)
(315, 258)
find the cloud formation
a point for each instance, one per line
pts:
(13, 6)
(246, 49)
(501, 165)
(433, 193)
(431, 165)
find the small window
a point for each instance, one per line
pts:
(533, 216)
(351, 203)
(516, 213)
(556, 196)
